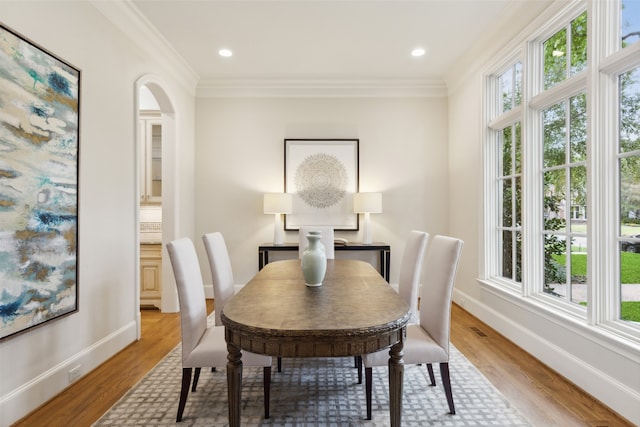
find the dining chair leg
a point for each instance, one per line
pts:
(279, 364)
(368, 379)
(446, 382)
(196, 377)
(432, 377)
(266, 372)
(359, 366)
(184, 392)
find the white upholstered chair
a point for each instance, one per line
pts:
(221, 271)
(202, 345)
(409, 281)
(428, 341)
(410, 270)
(326, 239)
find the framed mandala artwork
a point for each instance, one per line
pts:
(322, 176)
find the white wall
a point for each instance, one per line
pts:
(240, 156)
(34, 365)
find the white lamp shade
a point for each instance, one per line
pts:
(367, 202)
(275, 203)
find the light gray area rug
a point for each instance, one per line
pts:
(314, 392)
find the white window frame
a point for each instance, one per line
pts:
(606, 60)
(492, 266)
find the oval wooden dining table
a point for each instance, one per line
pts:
(353, 312)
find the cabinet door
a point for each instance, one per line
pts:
(142, 156)
(153, 161)
(154, 132)
(151, 275)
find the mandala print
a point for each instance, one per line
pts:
(321, 180)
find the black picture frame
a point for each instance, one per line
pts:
(39, 138)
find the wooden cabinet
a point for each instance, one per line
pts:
(150, 275)
(150, 136)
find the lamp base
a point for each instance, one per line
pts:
(277, 230)
(366, 230)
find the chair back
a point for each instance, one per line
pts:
(193, 306)
(327, 239)
(221, 272)
(441, 265)
(410, 270)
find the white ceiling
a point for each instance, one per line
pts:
(322, 40)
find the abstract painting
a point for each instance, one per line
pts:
(39, 147)
(322, 175)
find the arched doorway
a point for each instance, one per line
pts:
(161, 195)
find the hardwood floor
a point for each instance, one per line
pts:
(87, 399)
(544, 397)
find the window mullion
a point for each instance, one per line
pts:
(571, 87)
(514, 221)
(489, 241)
(532, 248)
(506, 119)
(569, 45)
(568, 194)
(602, 204)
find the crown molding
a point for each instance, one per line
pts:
(127, 18)
(256, 88)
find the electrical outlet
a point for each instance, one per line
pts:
(74, 373)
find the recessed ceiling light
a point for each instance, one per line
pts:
(225, 52)
(419, 51)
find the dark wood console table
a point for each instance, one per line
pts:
(383, 248)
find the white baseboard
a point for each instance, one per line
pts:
(611, 392)
(23, 400)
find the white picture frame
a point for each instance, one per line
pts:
(322, 176)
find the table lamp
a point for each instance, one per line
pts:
(367, 203)
(278, 204)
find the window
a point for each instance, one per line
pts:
(507, 179)
(510, 183)
(630, 22)
(565, 193)
(565, 53)
(510, 88)
(578, 128)
(629, 188)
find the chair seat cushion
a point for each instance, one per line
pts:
(211, 351)
(419, 347)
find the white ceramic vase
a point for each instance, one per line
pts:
(314, 261)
